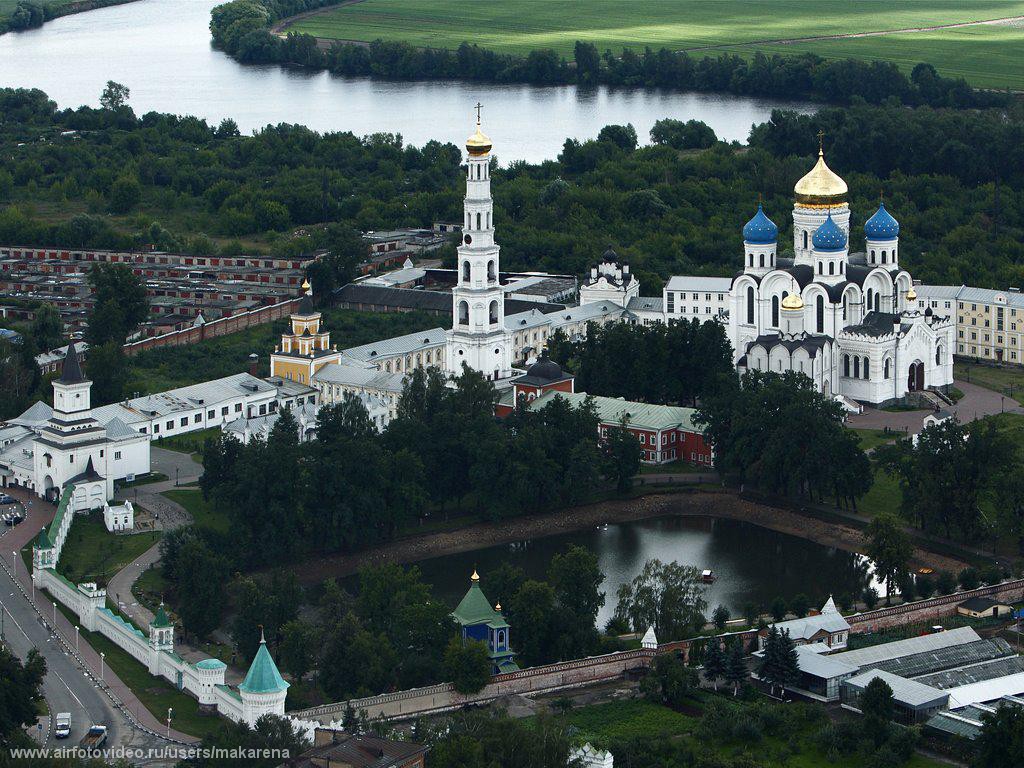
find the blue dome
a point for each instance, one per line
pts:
(829, 237)
(882, 226)
(760, 229)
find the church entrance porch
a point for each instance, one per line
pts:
(915, 377)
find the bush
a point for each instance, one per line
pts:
(969, 578)
(946, 584)
(720, 616)
(870, 597)
(993, 574)
(778, 609)
(908, 590)
(800, 605)
(925, 587)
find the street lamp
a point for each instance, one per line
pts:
(170, 712)
(102, 657)
(55, 617)
(76, 638)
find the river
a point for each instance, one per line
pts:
(161, 50)
(752, 565)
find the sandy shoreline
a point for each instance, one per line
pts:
(699, 503)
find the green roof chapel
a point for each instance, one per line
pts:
(263, 676)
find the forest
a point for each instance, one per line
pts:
(953, 178)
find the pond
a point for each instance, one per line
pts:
(752, 565)
(161, 50)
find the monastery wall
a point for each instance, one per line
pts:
(932, 608)
(220, 327)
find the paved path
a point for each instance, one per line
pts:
(976, 403)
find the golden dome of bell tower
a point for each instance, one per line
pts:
(821, 187)
(478, 145)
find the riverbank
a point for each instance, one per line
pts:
(700, 502)
(54, 9)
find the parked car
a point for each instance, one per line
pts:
(18, 519)
(5, 499)
(9, 518)
(94, 738)
(62, 725)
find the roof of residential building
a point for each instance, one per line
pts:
(809, 626)
(986, 690)
(695, 283)
(361, 751)
(814, 662)
(612, 410)
(399, 345)
(645, 304)
(357, 376)
(982, 604)
(187, 398)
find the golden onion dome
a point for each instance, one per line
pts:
(475, 576)
(793, 302)
(911, 294)
(821, 187)
(478, 144)
(305, 285)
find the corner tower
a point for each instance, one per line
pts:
(818, 194)
(478, 337)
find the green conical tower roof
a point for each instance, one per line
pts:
(160, 620)
(475, 607)
(263, 676)
(42, 540)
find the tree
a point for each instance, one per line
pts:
(125, 194)
(779, 666)
(199, 575)
(298, 648)
(670, 681)
(778, 609)
(532, 613)
(576, 579)
(877, 705)
(1002, 739)
(621, 457)
(622, 136)
(667, 596)
(20, 688)
(114, 96)
(800, 605)
(107, 367)
(735, 666)
(693, 134)
(467, 665)
(890, 548)
(714, 661)
(262, 744)
(968, 578)
(120, 305)
(720, 616)
(47, 328)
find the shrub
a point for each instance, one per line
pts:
(870, 597)
(993, 574)
(946, 584)
(969, 578)
(778, 609)
(925, 586)
(800, 605)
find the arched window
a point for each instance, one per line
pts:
(463, 313)
(750, 257)
(488, 219)
(844, 307)
(856, 367)
(821, 268)
(885, 368)
(775, 311)
(870, 293)
(750, 305)
(478, 221)
(846, 366)
(938, 355)
(831, 267)
(878, 299)
(490, 270)
(872, 255)
(885, 257)
(465, 271)
(492, 315)
(820, 307)
(842, 265)
(762, 259)
(867, 368)
(805, 238)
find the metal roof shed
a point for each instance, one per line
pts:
(914, 702)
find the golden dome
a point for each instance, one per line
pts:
(478, 144)
(821, 187)
(793, 302)
(911, 294)
(475, 576)
(305, 284)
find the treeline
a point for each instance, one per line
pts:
(29, 14)
(353, 487)
(778, 434)
(954, 179)
(242, 29)
(667, 364)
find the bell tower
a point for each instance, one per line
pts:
(478, 337)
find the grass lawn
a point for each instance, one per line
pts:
(93, 554)
(203, 512)
(626, 719)
(190, 442)
(885, 495)
(872, 438)
(673, 468)
(990, 55)
(1008, 379)
(147, 479)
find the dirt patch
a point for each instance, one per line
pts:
(696, 503)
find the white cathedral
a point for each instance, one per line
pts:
(849, 321)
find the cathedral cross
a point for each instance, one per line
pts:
(821, 140)
(478, 107)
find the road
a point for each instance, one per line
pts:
(67, 686)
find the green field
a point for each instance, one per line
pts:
(991, 56)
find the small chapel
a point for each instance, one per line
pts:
(478, 621)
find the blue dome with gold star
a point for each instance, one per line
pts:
(829, 236)
(760, 229)
(882, 226)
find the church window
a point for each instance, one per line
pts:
(805, 238)
(870, 293)
(867, 368)
(750, 305)
(885, 368)
(488, 220)
(878, 298)
(821, 269)
(465, 271)
(831, 267)
(71, 459)
(490, 270)
(750, 259)
(820, 314)
(885, 257)
(872, 255)
(463, 313)
(938, 355)
(775, 311)
(856, 367)
(762, 260)
(478, 221)
(493, 313)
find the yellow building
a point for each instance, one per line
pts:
(307, 348)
